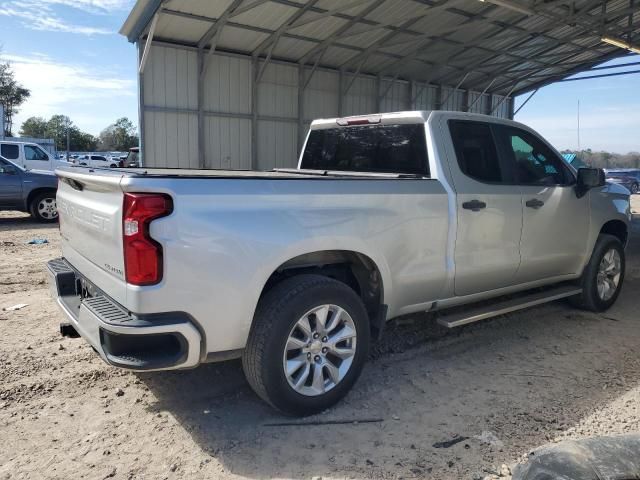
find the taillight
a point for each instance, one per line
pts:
(142, 254)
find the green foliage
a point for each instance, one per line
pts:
(12, 95)
(56, 128)
(607, 159)
(120, 136)
(35, 127)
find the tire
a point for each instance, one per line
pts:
(43, 207)
(594, 297)
(634, 189)
(276, 325)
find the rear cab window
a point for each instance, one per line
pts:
(10, 152)
(398, 149)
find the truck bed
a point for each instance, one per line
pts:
(282, 173)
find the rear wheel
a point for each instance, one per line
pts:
(308, 344)
(44, 208)
(603, 276)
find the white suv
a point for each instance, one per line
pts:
(98, 161)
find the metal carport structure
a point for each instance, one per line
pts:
(235, 83)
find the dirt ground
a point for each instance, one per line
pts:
(431, 403)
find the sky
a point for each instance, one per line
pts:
(71, 57)
(69, 54)
(609, 111)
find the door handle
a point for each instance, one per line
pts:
(474, 205)
(534, 203)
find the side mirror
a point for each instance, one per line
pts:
(589, 178)
(8, 170)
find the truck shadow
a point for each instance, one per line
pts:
(525, 378)
(503, 386)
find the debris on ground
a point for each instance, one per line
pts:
(17, 306)
(37, 241)
(489, 438)
(450, 443)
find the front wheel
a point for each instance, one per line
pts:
(44, 208)
(603, 276)
(308, 344)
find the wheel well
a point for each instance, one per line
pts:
(354, 269)
(37, 191)
(617, 228)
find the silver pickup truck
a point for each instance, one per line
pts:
(296, 270)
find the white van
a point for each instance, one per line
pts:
(29, 155)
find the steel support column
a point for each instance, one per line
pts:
(141, 122)
(301, 87)
(465, 100)
(340, 93)
(201, 74)
(255, 66)
(489, 105)
(438, 102)
(410, 89)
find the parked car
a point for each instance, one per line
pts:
(630, 179)
(133, 159)
(294, 270)
(28, 191)
(98, 161)
(29, 156)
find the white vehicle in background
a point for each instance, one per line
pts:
(30, 156)
(99, 161)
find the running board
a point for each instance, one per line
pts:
(512, 305)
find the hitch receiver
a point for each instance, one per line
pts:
(67, 330)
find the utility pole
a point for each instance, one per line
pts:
(68, 139)
(579, 126)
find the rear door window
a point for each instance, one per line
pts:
(476, 151)
(398, 149)
(10, 152)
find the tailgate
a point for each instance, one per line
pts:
(90, 209)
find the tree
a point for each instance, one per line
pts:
(56, 127)
(82, 141)
(120, 136)
(35, 127)
(12, 95)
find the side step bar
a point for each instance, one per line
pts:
(487, 311)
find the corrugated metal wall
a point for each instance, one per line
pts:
(169, 89)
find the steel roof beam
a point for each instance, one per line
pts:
(273, 39)
(558, 42)
(327, 42)
(214, 30)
